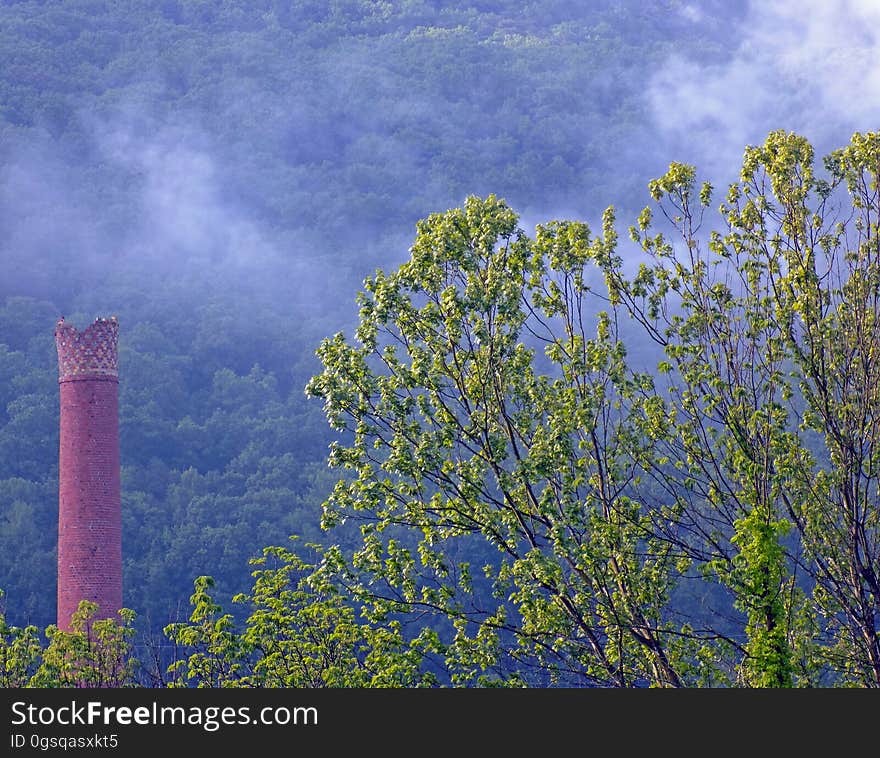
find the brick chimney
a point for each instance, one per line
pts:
(89, 511)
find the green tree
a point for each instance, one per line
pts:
(486, 410)
(94, 652)
(308, 635)
(770, 327)
(455, 439)
(20, 652)
(300, 633)
(218, 657)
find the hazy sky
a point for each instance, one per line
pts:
(809, 66)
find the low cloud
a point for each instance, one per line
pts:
(808, 66)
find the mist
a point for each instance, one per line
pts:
(807, 67)
(162, 187)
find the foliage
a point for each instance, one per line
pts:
(530, 508)
(770, 332)
(594, 488)
(561, 460)
(92, 653)
(218, 654)
(20, 652)
(300, 633)
(455, 433)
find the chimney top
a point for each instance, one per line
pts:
(90, 354)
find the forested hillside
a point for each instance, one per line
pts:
(221, 176)
(438, 289)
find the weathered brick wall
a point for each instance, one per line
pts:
(89, 513)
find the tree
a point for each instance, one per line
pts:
(300, 633)
(217, 655)
(20, 652)
(771, 329)
(455, 440)
(94, 652)
(488, 410)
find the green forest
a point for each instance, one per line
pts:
(438, 366)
